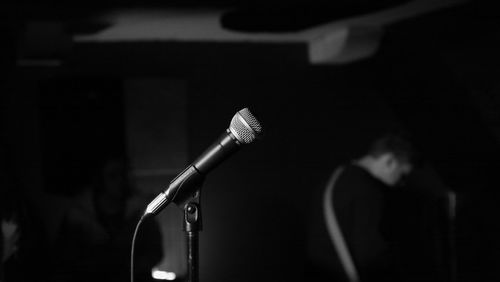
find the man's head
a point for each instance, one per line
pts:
(389, 159)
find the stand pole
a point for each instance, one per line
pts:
(192, 226)
(452, 205)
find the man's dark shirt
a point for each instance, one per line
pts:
(359, 203)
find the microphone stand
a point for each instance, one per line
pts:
(192, 225)
(452, 211)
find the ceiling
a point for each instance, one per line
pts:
(334, 31)
(301, 12)
(69, 9)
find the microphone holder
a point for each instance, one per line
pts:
(192, 225)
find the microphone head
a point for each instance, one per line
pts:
(245, 127)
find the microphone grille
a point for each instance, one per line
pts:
(245, 127)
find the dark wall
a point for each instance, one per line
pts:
(82, 123)
(438, 79)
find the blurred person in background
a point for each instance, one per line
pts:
(96, 235)
(352, 231)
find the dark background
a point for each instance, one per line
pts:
(434, 75)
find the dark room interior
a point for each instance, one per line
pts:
(94, 89)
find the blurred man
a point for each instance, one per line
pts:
(353, 204)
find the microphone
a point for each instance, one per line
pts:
(243, 129)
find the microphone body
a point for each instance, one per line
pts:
(226, 145)
(242, 126)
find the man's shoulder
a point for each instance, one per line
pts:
(353, 172)
(356, 180)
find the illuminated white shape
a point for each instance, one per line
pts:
(162, 275)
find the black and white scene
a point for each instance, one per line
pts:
(249, 141)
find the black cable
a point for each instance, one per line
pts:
(133, 247)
